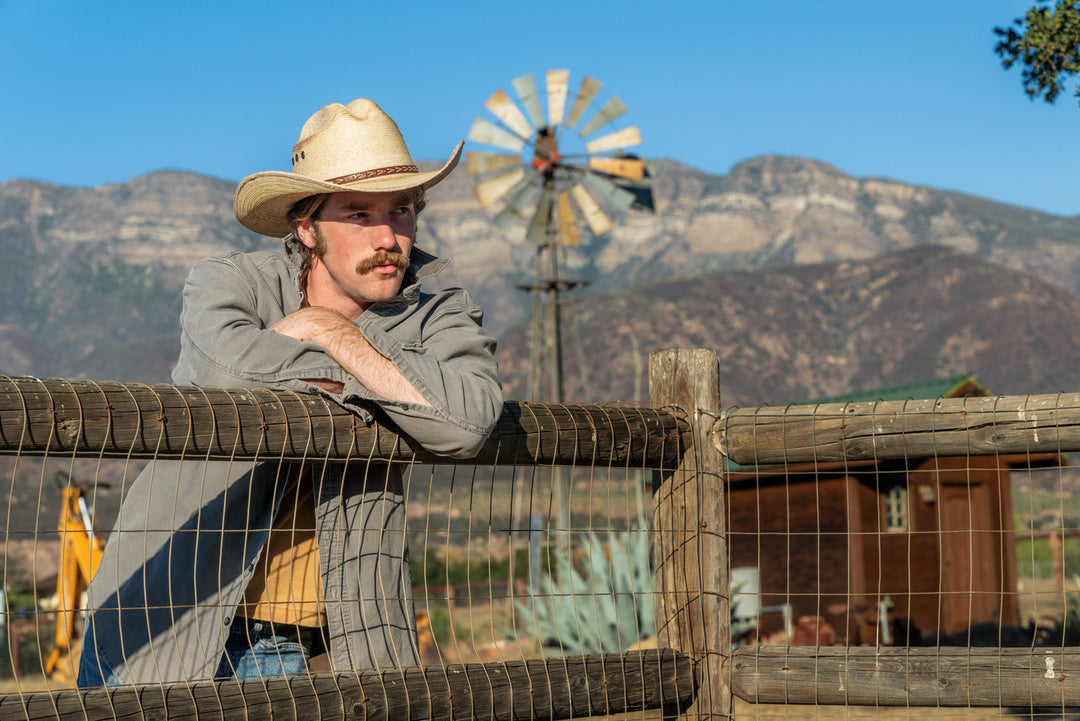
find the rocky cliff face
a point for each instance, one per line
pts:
(768, 212)
(96, 269)
(799, 332)
(92, 283)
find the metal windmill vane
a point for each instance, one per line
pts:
(537, 176)
(559, 195)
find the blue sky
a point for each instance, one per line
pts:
(102, 92)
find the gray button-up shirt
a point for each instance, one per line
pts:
(190, 533)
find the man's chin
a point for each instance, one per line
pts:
(385, 290)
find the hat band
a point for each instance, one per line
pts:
(376, 173)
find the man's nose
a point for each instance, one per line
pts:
(383, 236)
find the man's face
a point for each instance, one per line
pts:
(362, 243)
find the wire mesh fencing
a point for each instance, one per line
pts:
(516, 584)
(902, 555)
(850, 559)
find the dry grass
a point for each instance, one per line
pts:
(29, 684)
(743, 711)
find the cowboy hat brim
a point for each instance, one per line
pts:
(262, 200)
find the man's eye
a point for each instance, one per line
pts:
(403, 210)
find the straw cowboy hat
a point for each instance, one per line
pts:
(341, 148)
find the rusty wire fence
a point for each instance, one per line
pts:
(884, 559)
(515, 609)
(897, 557)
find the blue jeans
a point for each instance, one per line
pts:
(92, 670)
(252, 650)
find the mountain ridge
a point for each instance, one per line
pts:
(96, 288)
(788, 334)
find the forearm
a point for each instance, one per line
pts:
(442, 348)
(373, 370)
(434, 376)
(347, 345)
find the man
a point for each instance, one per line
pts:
(223, 569)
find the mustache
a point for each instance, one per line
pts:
(383, 257)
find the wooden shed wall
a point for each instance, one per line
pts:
(822, 544)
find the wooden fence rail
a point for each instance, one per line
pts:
(533, 690)
(137, 421)
(85, 418)
(941, 676)
(901, 429)
(861, 431)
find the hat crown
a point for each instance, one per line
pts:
(340, 141)
(342, 148)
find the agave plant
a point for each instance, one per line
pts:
(608, 606)
(604, 608)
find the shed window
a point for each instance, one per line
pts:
(896, 509)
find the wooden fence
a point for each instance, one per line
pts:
(685, 438)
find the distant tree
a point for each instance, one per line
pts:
(1045, 42)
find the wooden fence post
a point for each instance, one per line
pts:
(690, 542)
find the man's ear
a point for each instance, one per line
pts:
(305, 232)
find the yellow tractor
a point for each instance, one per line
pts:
(80, 554)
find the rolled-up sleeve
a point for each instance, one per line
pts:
(450, 361)
(225, 338)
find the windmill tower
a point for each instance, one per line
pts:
(565, 175)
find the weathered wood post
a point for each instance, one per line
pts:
(689, 530)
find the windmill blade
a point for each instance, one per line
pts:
(611, 110)
(477, 163)
(503, 108)
(538, 226)
(640, 188)
(625, 138)
(630, 168)
(642, 192)
(488, 133)
(597, 219)
(515, 209)
(491, 190)
(564, 214)
(585, 95)
(608, 191)
(558, 81)
(525, 87)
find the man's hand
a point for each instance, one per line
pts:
(312, 324)
(348, 346)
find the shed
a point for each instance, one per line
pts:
(886, 552)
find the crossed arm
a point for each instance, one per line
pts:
(430, 368)
(347, 345)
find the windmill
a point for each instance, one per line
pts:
(561, 186)
(558, 191)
